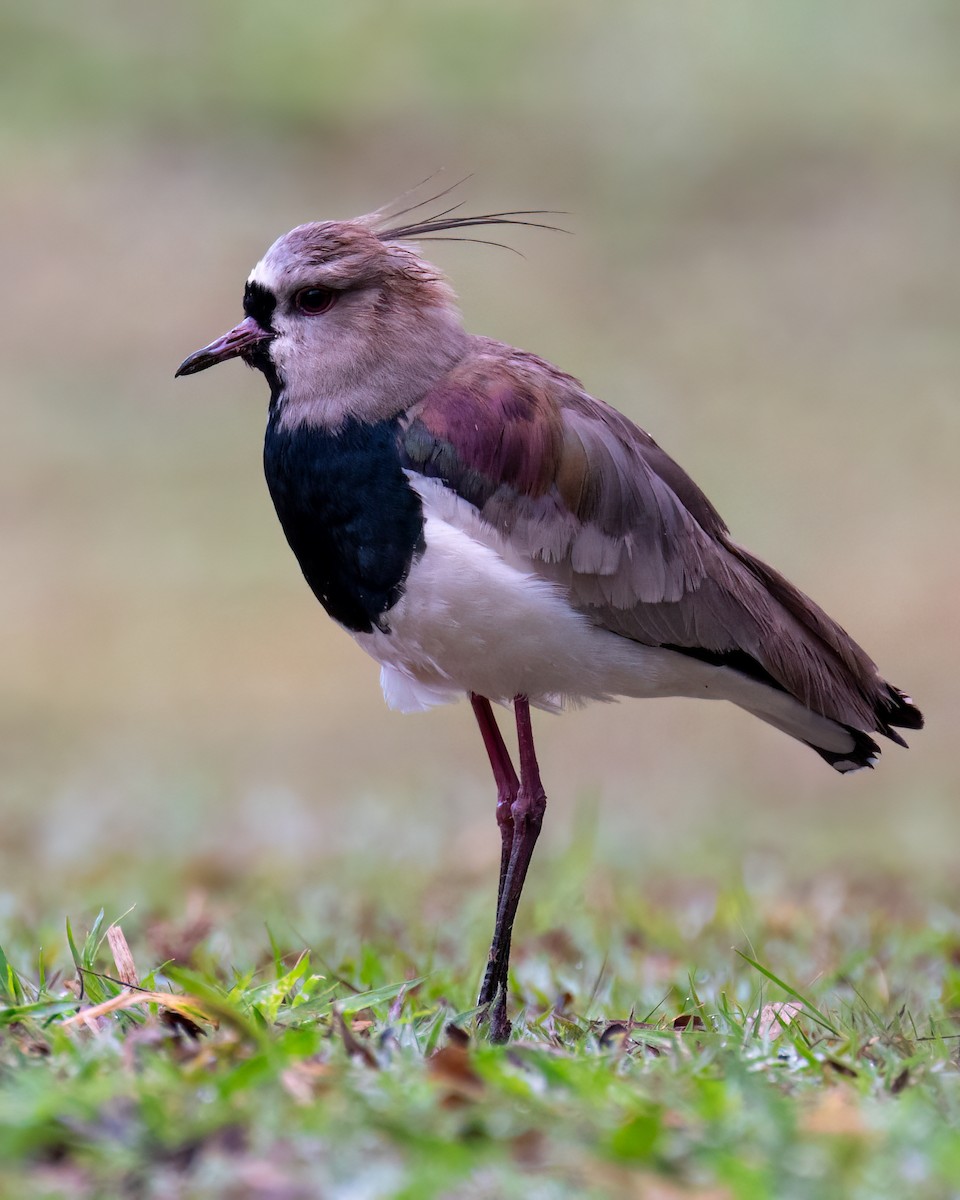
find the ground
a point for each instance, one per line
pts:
(691, 1037)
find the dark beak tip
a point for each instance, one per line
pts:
(189, 366)
(243, 337)
(193, 363)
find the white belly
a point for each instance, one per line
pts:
(470, 620)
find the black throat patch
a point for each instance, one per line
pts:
(260, 303)
(349, 514)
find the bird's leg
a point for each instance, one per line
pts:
(527, 813)
(507, 788)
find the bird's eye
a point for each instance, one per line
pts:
(314, 300)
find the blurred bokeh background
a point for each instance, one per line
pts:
(764, 271)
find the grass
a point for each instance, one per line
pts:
(692, 1038)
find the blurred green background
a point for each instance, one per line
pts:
(764, 271)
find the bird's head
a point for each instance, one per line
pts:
(345, 319)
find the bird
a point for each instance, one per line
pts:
(484, 528)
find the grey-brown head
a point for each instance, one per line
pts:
(345, 318)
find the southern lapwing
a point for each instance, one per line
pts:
(485, 528)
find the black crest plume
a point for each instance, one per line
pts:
(450, 219)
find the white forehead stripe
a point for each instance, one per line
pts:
(263, 275)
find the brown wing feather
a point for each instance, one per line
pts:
(599, 508)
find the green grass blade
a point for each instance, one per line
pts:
(92, 942)
(812, 1009)
(42, 1008)
(74, 952)
(12, 989)
(375, 996)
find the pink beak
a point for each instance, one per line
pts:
(234, 344)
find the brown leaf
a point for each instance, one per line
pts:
(180, 1024)
(450, 1067)
(126, 968)
(688, 1021)
(93, 1014)
(901, 1081)
(619, 1034)
(353, 1046)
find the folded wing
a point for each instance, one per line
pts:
(595, 505)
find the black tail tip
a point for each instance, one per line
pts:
(865, 753)
(895, 710)
(899, 709)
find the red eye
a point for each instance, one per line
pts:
(314, 300)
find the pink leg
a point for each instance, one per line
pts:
(506, 778)
(526, 819)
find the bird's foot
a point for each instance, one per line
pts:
(500, 1026)
(494, 1016)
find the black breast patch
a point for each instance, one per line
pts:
(349, 514)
